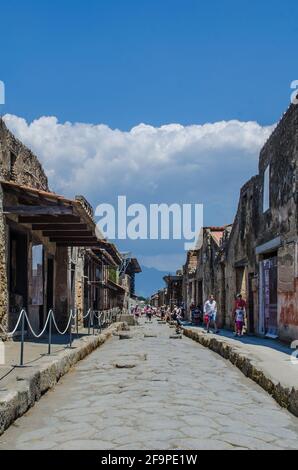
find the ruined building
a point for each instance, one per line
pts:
(52, 255)
(200, 273)
(260, 256)
(257, 255)
(173, 293)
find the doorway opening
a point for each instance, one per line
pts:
(250, 304)
(200, 294)
(18, 275)
(268, 295)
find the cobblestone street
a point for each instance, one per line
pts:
(153, 392)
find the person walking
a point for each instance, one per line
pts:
(149, 313)
(137, 312)
(174, 313)
(210, 310)
(192, 308)
(168, 314)
(178, 321)
(183, 310)
(239, 315)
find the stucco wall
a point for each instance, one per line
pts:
(288, 291)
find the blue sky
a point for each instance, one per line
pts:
(154, 61)
(173, 65)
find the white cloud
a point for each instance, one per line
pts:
(90, 158)
(172, 163)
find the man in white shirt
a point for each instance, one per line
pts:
(210, 310)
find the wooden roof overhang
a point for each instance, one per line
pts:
(172, 278)
(112, 250)
(64, 221)
(111, 255)
(104, 256)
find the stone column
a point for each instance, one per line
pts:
(79, 288)
(193, 291)
(61, 287)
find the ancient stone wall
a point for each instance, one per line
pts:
(281, 154)
(254, 226)
(206, 262)
(189, 270)
(239, 252)
(3, 270)
(287, 289)
(18, 163)
(207, 275)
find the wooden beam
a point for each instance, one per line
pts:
(102, 245)
(73, 239)
(59, 227)
(67, 233)
(47, 219)
(78, 242)
(22, 209)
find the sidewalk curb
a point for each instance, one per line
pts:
(287, 397)
(29, 389)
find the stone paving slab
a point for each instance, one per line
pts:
(23, 386)
(178, 395)
(271, 367)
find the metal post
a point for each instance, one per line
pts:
(50, 334)
(22, 339)
(70, 330)
(77, 322)
(99, 321)
(93, 323)
(89, 321)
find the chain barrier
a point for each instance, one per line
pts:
(104, 319)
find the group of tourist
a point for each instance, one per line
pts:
(147, 310)
(208, 316)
